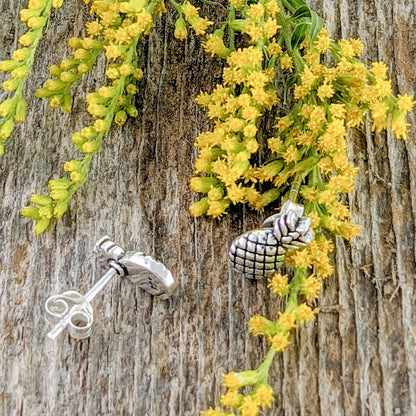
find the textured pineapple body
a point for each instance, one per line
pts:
(257, 253)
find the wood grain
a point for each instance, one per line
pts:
(155, 358)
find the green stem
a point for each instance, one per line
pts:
(295, 287)
(263, 369)
(231, 18)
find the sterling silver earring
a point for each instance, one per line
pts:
(258, 253)
(73, 311)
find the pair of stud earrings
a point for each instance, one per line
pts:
(257, 254)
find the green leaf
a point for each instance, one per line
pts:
(316, 25)
(299, 34)
(301, 12)
(296, 3)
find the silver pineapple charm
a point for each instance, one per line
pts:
(258, 253)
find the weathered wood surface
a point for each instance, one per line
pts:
(152, 357)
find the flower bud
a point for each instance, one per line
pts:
(126, 69)
(56, 4)
(20, 115)
(6, 129)
(60, 208)
(59, 194)
(10, 84)
(36, 22)
(27, 39)
(54, 85)
(180, 29)
(132, 111)
(138, 73)
(74, 43)
(41, 226)
(90, 147)
(83, 68)
(77, 177)
(56, 101)
(46, 212)
(202, 184)
(21, 54)
(8, 65)
(40, 200)
(20, 72)
(66, 103)
(101, 126)
(30, 212)
(6, 107)
(26, 14)
(60, 183)
(120, 117)
(199, 208)
(72, 165)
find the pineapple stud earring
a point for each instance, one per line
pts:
(73, 311)
(258, 253)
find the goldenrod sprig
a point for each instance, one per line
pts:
(69, 72)
(109, 104)
(13, 110)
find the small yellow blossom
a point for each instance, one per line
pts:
(280, 341)
(304, 313)
(264, 395)
(286, 321)
(279, 284)
(286, 62)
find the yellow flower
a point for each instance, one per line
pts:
(284, 123)
(218, 208)
(264, 395)
(304, 313)
(308, 78)
(231, 398)
(270, 28)
(325, 91)
(398, 125)
(199, 208)
(258, 325)
(236, 193)
(280, 341)
(286, 321)
(310, 287)
(256, 11)
(291, 154)
(214, 45)
(272, 7)
(346, 48)
(250, 113)
(300, 259)
(323, 41)
(279, 284)
(249, 407)
(286, 62)
(379, 69)
(274, 49)
(316, 220)
(405, 102)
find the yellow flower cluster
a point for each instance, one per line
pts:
(13, 110)
(307, 154)
(250, 404)
(235, 107)
(188, 14)
(116, 30)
